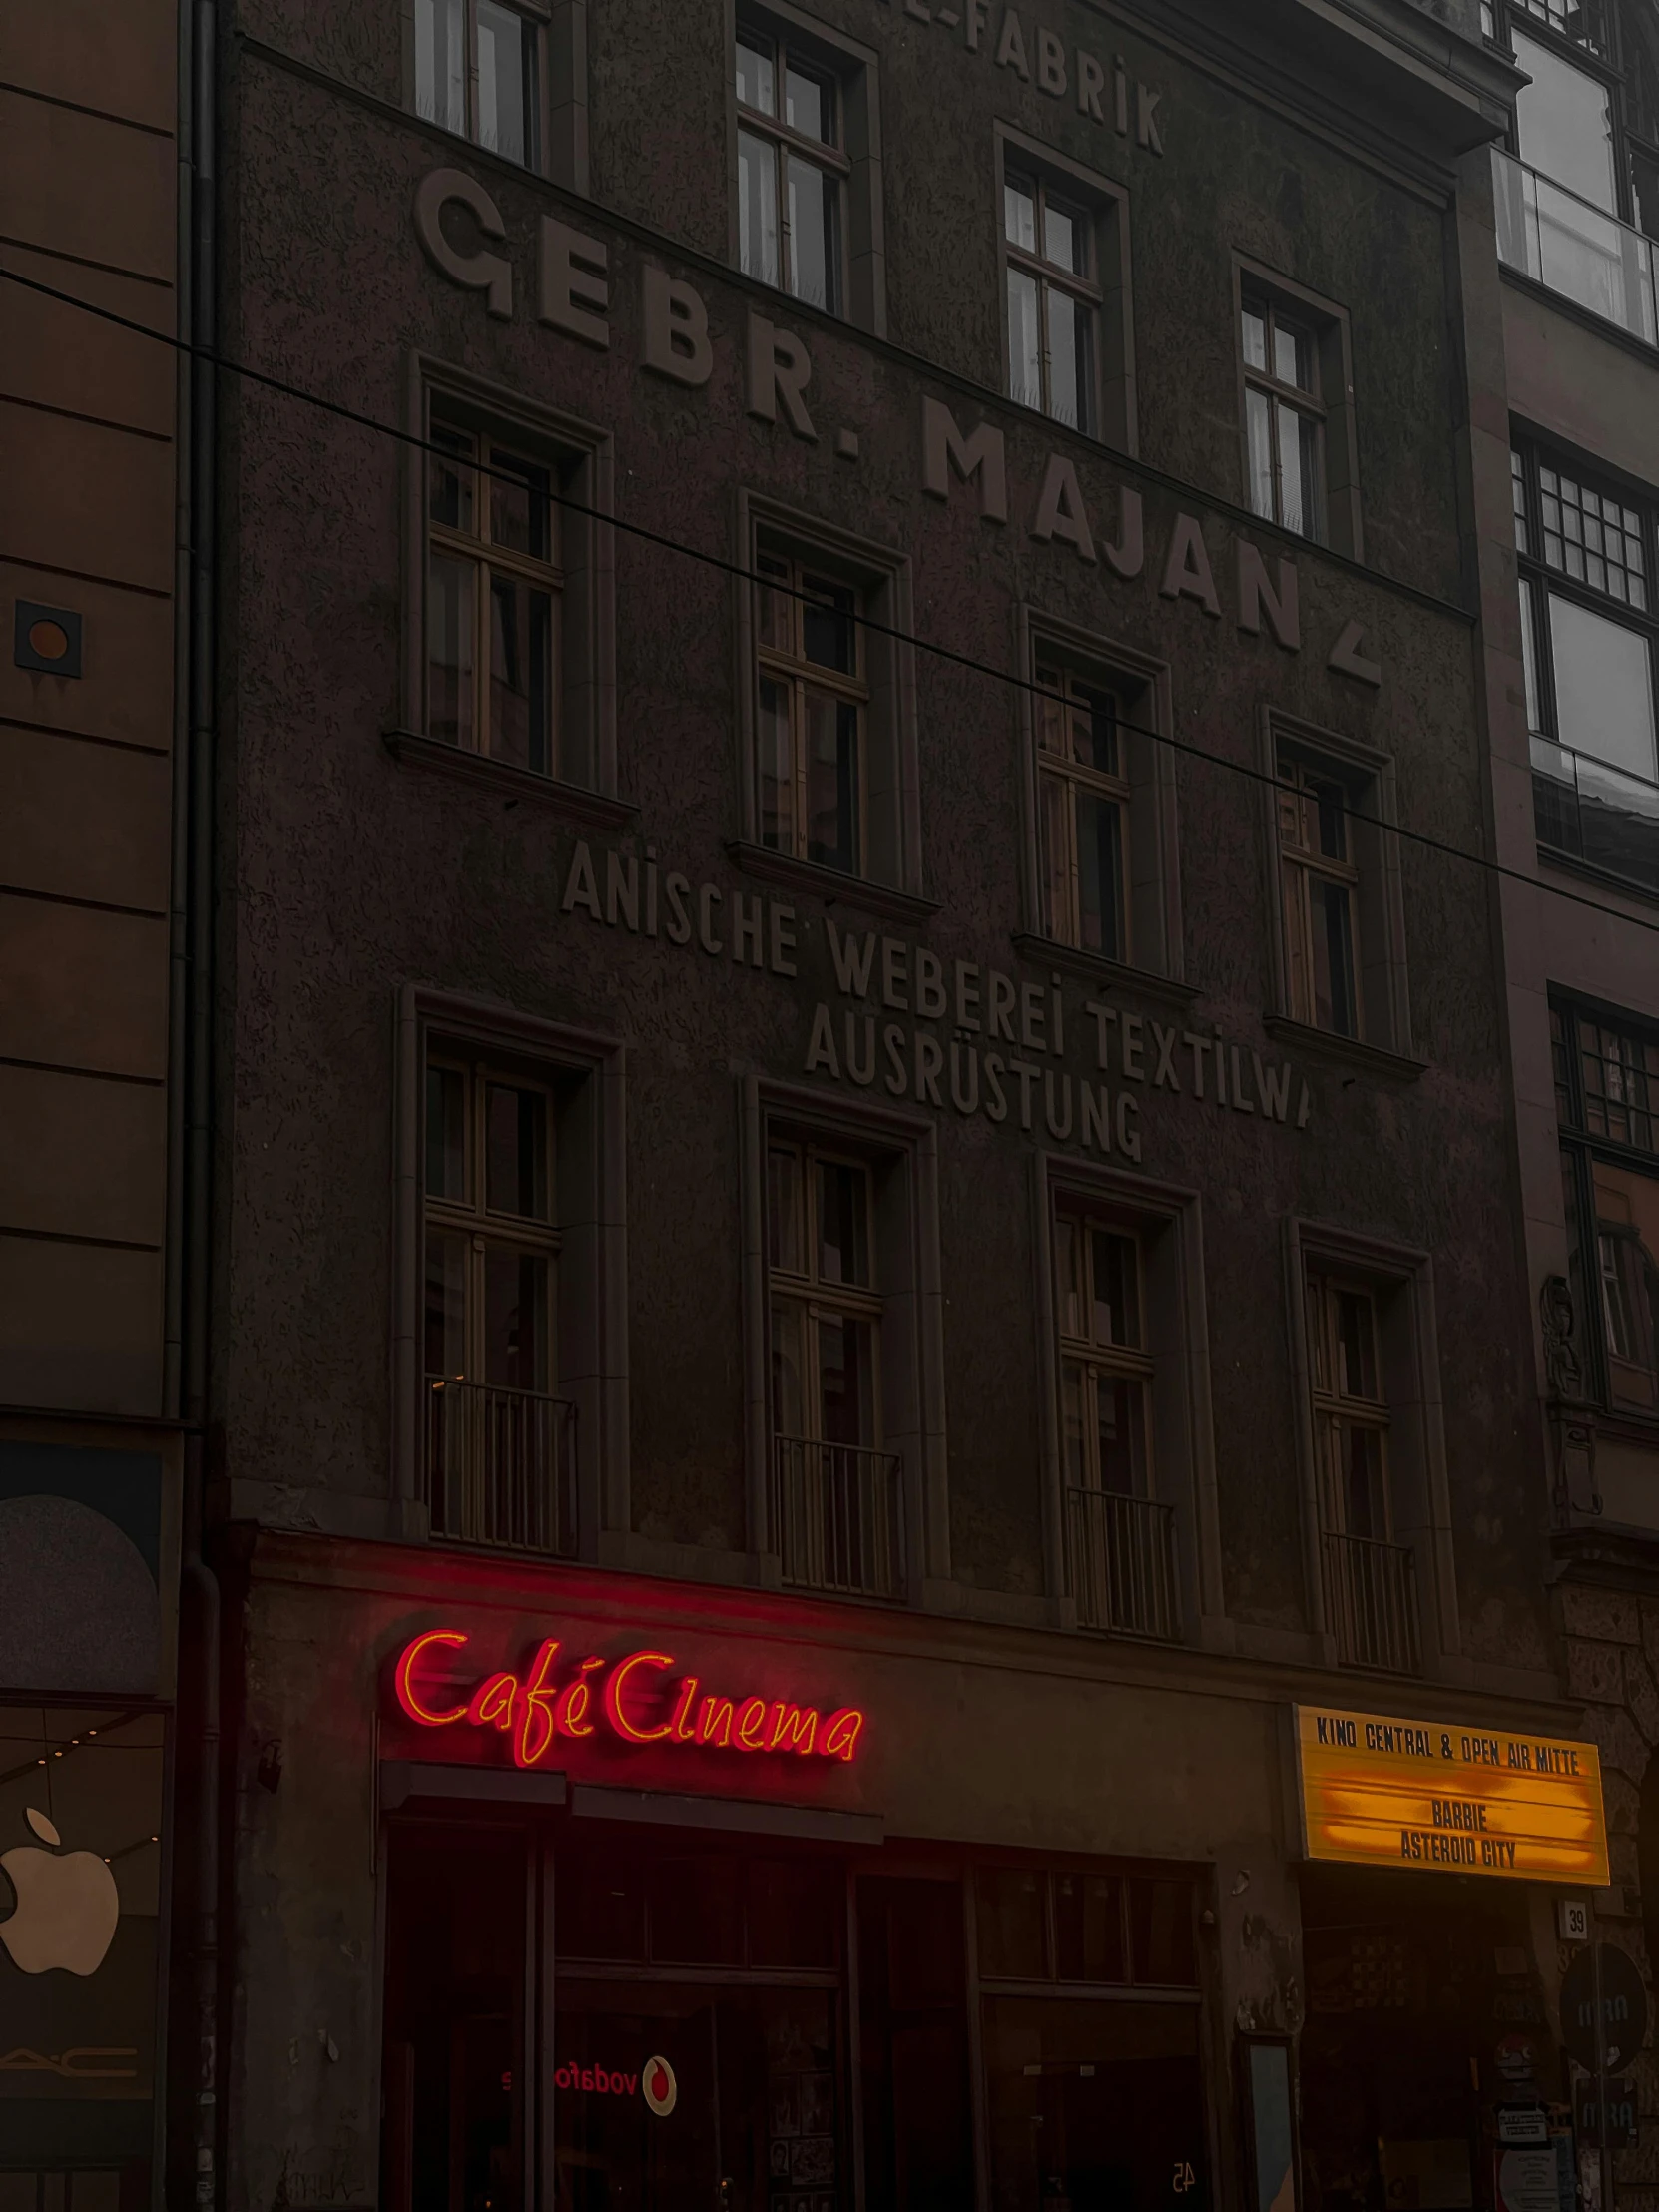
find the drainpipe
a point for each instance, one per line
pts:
(190, 1239)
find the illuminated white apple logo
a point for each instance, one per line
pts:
(67, 1905)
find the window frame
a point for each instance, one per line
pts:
(790, 667)
(856, 158)
(1079, 285)
(1306, 404)
(1386, 1041)
(1151, 856)
(1132, 1364)
(892, 881)
(828, 155)
(1303, 865)
(1582, 1149)
(587, 1152)
(1338, 498)
(1107, 291)
(581, 458)
(808, 1293)
(1337, 1409)
(1058, 689)
(555, 49)
(1614, 64)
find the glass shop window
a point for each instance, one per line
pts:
(458, 1968)
(698, 2030)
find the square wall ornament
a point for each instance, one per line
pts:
(47, 638)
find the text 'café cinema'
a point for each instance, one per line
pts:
(672, 1919)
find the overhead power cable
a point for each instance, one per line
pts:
(949, 654)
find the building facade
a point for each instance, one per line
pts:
(96, 1378)
(864, 1157)
(1567, 558)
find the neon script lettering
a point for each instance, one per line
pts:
(632, 1700)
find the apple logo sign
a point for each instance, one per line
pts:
(67, 1905)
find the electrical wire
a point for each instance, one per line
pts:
(949, 654)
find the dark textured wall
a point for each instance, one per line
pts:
(347, 876)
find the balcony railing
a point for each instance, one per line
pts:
(1575, 248)
(1597, 813)
(1122, 1552)
(1371, 1603)
(501, 1468)
(838, 1517)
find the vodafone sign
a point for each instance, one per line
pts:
(654, 2081)
(638, 1697)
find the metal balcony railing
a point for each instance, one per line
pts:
(1122, 1553)
(1597, 813)
(500, 1466)
(1371, 1603)
(838, 1517)
(1575, 248)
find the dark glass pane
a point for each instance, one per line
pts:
(445, 1133)
(450, 598)
(1011, 1919)
(1333, 821)
(814, 251)
(842, 1222)
(828, 624)
(1161, 1932)
(846, 1380)
(1356, 1344)
(784, 1209)
(1100, 903)
(913, 2047)
(809, 106)
(515, 1142)
(521, 514)
(599, 1904)
(1117, 1296)
(1335, 1006)
(449, 478)
(1088, 1928)
(756, 78)
(1120, 1428)
(515, 1319)
(445, 1303)
(831, 782)
(795, 1910)
(695, 1912)
(775, 748)
(521, 674)
(1094, 730)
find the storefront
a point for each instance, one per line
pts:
(681, 1898)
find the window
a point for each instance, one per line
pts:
(1591, 636)
(1054, 299)
(1104, 1369)
(1082, 808)
(1363, 1317)
(1076, 2087)
(828, 689)
(1284, 419)
(1607, 1108)
(812, 711)
(478, 72)
(1295, 395)
(494, 598)
(837, 1503)
(793, 173)
(510, 600)
(1320, 889)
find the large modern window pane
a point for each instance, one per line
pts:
(1603, 687)
(1565, 125)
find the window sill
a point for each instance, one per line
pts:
(1323, 1044)
(414, 749)
(830, 885)
(1117, 973)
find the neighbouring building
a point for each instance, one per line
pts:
(95, 945)
(1568, 491)
(872, 1453)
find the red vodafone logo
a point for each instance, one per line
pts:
(659, 2087)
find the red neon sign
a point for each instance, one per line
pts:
(630, 1699)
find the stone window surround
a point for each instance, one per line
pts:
(563, 87)
(1339, 447)
(914, 1310)
(583, 455)
(883, 577)
(1386, 1042)
(854, 68)
(1168, 1220)
(1154, 850)
(1116, 407)
(593, 1264)
(1400, 1278)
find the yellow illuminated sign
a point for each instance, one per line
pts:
(1377, 1791)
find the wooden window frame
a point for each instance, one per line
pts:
(811, 1294)
(1074, 775)
(1334, 1410)
(1080, 285)
(829, 154)
(1301, 865)
(1107, 292)
(1308, 404)
(791, 668)
(479, 550)
(1127, 1362)
(485, 1230)
(1338, 510)
(546, 98)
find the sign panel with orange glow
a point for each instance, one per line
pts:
(1377, 1791)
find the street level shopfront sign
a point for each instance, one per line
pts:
(1378, 1791)
(634, 1699)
